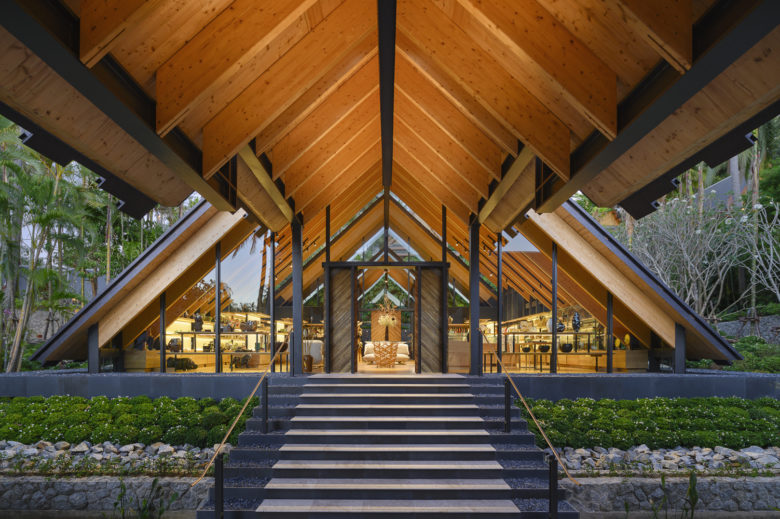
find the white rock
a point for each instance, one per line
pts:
(165, 450)
(81, 448)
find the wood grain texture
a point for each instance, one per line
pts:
(431, 316)
(341, 320)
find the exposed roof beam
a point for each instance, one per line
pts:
(235, 41)
(386, 24)
(641, 115)
(542, 54)
(482, 77)
(666, 25)
(283, 82)
(519, 165)
(103, 21)
(175, 152)
(264, 179)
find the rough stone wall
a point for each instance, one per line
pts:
(766, 324)
(715, 494)
(95, 493)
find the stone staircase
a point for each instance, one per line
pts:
(386, 446)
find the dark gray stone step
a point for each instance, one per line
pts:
(295, 508)
(385, 398)
(386, 387)
(414, 469)
(378, 452)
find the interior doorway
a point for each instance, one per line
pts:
(385, 318)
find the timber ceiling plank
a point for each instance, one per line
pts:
(364, 52)
(448, 149)
(606, 33)
(469, 186)
(237, 47)
(418, 90)
(666, 25)
(331, 112)
(425, 71)
(546, 58)
(149, 45)
(327, 193)
(102, 21)
(338, 162)
(479, 74)
(426, 182)
(330, 144)
(286, 80)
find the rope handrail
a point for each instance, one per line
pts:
(240, 413)
(528, 408)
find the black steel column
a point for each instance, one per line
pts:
(272, 300)
(418, 333)
(326, 317)
(119, 360)
(679, 348)
(554, 297)
(474, 333)
(654, 362)
(218, 309)
(444, 292)
(610, 333)
(500, 297)
(353, 320)
(162, 332)
(296, 348)
(386, 39)
(93, 349)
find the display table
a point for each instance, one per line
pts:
(386, 354)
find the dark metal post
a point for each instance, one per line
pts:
(610, 333)
(475, 337)
(387, 225)
(418, 331)
(507, 407)
(553, 501)
(119, 360)
(162, 333)
(500, 297)
(353, 321)
(272, 300)
(654, 362)
(326, 317)
(444, 292)
(93, 349)
(218, 309)
(265, 405)
(296, 346)
(554, 297)
(219, 485)
(679, 348)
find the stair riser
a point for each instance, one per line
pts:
(389, 439)
(382, 494)
(251, 514)
(413, 473)
(388, 455)
(397, 379)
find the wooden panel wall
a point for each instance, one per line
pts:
(431, 316)
(378, 331)
(341, 319)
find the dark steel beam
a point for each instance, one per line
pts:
(739, 26)
(386, 22)
(474, 280)
(296, 348)
(610, 333)
(326, 295)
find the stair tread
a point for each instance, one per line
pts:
(384, 447)
(387, 406)
(373, 505)
(343, 418)
(387, 464)
(388, 395)
(387, 432)
(309, 386)
(389, 484)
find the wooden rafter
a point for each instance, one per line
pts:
(521, 170)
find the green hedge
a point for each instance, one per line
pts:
(121, 420)
(658, 422)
